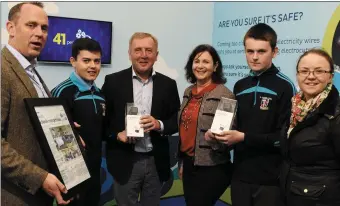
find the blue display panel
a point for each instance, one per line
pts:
(63, 31)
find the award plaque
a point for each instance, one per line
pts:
(59, 141)
(133, 127)
(224, 115)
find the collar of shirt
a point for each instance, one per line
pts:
(22, 60)
(134, 75)
(272, 69)
(81, 84)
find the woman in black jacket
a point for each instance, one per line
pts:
(311, 144)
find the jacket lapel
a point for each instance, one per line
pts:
(128, 87)
(309, 121)
(43, 83)
(20, 72)
(156, 94)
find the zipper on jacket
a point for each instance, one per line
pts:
(255, 97)
(94, 103)
(199, 109)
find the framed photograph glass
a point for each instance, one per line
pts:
(59, 141)
(224, 115)
(132, 117)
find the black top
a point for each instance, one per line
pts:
(312, 153)
(87, 106)
(264, 103)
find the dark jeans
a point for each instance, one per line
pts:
(203, 185)
(245, 194)
(144, 180)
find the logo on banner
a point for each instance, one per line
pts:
(82, 34)
(264, 103)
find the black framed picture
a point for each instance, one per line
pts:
(59, 141)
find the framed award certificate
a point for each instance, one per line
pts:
(59, 141)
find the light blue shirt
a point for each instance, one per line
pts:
(82, 84)
(142, 95)
(29, 69)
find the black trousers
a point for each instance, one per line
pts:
(245, 194)
(204, 185)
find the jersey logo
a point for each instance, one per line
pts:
(103, 107)
(264, 103)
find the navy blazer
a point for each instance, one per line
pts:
(118, 90)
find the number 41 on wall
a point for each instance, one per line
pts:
(60, 38)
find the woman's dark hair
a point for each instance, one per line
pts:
(217, 76)
(319, 52)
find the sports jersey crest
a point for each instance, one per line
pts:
(265, 103)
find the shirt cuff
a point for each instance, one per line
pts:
(161, 125)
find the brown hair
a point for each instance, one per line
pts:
(15, 10)
(263, 32)
(142, 35)
(217, 76)
(319, 52)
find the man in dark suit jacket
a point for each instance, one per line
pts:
(25, 179)
(139, 166)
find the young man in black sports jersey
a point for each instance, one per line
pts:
(264, 102)
(87, 106)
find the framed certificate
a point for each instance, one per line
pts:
(59, 141)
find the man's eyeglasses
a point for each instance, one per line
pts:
(316, 73)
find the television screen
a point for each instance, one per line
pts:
(63, 31)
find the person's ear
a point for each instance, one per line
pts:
(10, 26)
(73, 61)
(275, 52)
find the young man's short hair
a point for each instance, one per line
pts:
(85, 44)
(263, 32)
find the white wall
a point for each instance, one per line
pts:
(179, 27)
